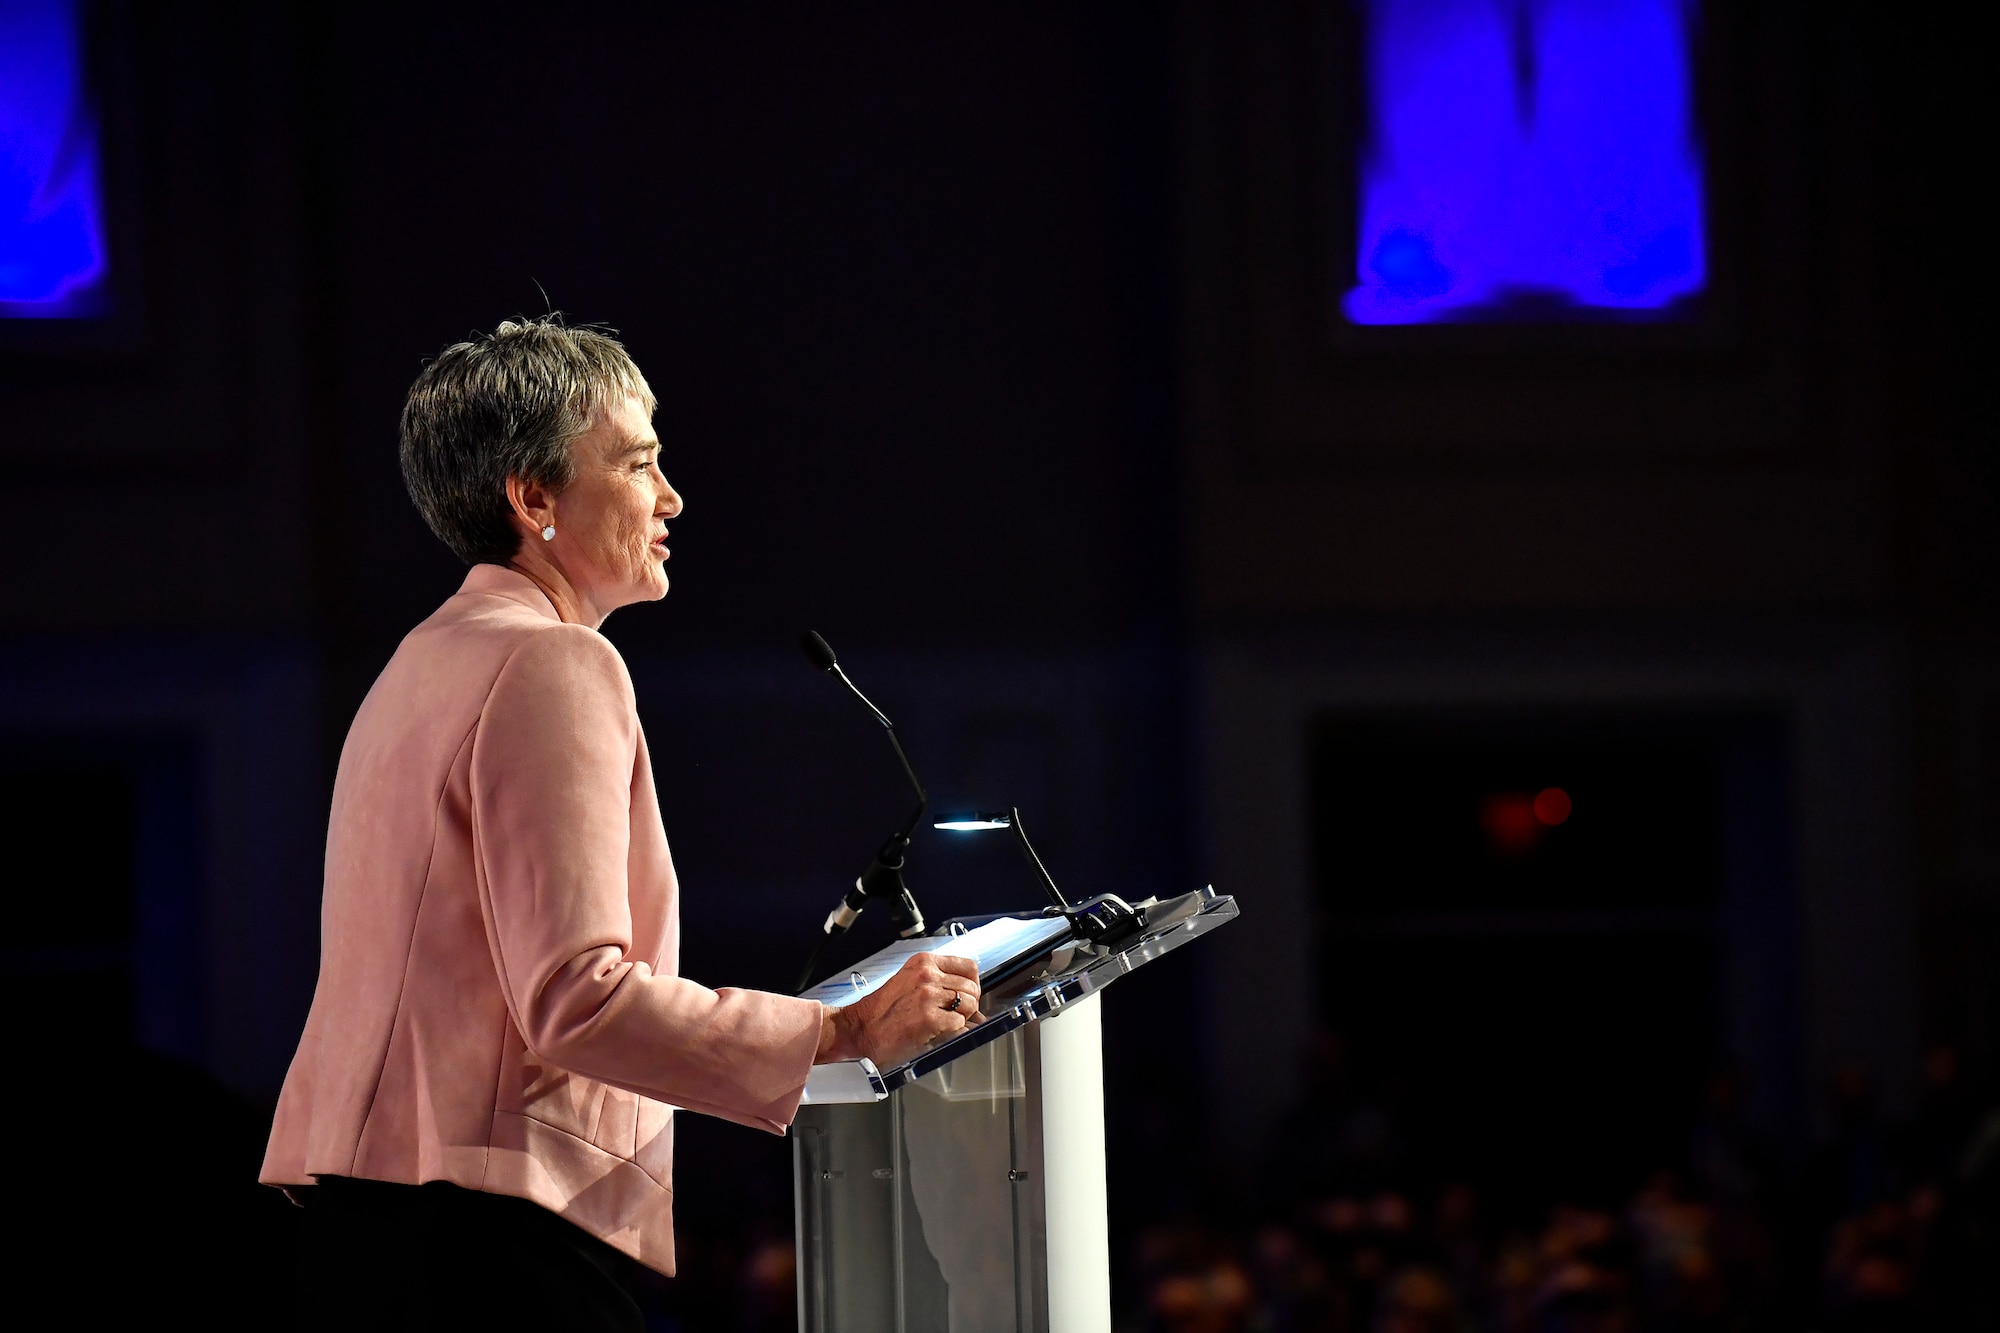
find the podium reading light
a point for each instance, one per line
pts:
(970, 823)
(1106, 919)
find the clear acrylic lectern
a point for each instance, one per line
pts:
(963, 1191)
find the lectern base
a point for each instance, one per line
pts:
(968, 1201)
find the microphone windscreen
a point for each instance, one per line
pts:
(817, 649)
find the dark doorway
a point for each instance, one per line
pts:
(68, 829)
(101, 964)
(1518, 944)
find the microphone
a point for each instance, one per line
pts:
(884, 876)
(819, 651)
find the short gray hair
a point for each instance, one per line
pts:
(506, 404)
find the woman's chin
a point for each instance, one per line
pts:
(647, 587)
(647, 576)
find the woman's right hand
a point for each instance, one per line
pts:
(930, 996)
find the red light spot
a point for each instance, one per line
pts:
(1552, 806)
(1510, 823)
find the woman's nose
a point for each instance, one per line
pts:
(671, 498)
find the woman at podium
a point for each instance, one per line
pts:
(479, 1118)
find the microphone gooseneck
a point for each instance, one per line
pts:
(1056, 898)
(884, 876)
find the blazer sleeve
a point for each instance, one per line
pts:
(552, 793)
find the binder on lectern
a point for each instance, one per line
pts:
(962, 1190)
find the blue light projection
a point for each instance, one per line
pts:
(53, 263)
(1527, 159)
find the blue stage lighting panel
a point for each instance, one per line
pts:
(54, 259)
(1527, 160)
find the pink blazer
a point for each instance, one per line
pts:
(498, 1004)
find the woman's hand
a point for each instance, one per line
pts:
(929, 997)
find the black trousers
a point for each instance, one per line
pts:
(378, 1256)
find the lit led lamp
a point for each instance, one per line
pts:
(1106, 920)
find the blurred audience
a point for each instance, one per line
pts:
(1885, 1226)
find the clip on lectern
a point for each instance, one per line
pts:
(963, 1191)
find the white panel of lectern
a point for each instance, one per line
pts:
(963, 1191)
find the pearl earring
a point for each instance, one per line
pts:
(549, 533)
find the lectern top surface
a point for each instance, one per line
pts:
(991, 945)
(1037, 966)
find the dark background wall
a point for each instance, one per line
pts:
(986, 344)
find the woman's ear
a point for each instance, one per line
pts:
(534, 506)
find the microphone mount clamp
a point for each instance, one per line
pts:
(1106, 920)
